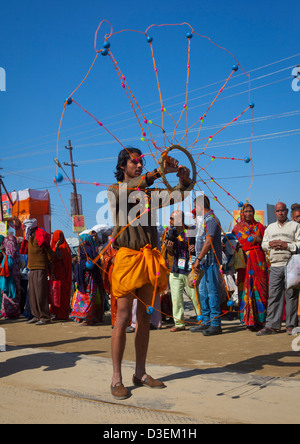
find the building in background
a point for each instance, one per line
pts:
(31, 204)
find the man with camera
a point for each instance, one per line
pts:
(182, 247)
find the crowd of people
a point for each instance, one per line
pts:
(241, 273)
(250, 257)
(41, 279)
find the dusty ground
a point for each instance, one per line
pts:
(235, 350)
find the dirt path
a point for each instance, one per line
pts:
(235, 350)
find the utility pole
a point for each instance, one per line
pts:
(72, 165)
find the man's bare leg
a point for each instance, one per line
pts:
(118, 339)
(142, 331)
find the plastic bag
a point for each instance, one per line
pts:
(239, 259)
(230, 283)
(196, 276)
(292, 272)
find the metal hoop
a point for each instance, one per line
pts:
(189, 156)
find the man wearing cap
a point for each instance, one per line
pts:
(40, 257)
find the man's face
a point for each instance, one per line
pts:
(134, 166)
(281, 212)
(199, 208)
(177, 218)
(296, 216)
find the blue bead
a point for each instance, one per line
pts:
(59, 177)
(69, 101)
(235, 67)
(104, 52)
(189, 35)
(229, 303)
(106, 45)
(251, 272)
(150, 310)
(89, 265)
(200, 318)
(149, 39)
(247, 159)
(240, 204)
(250, 239)
(251, 104)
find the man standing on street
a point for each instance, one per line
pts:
(281, 239)
(209, 258)
(180, 245)
(40, 257)
(295, 215)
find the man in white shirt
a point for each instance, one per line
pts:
(281, 240)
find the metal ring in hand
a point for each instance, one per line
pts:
(189, 156)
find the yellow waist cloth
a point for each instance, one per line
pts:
(133, 269)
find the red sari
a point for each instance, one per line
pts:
(253, 297)
(62, 270)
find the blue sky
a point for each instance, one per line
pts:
(47, 48)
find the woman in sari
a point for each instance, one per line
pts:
(62, 270)
(87, 308)
(10, 285)
(254, 296)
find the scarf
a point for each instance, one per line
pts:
(66, 253)
(4, 269)
(43, 238)
(29, 225)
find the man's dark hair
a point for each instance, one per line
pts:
(206, 203)
(123, 157)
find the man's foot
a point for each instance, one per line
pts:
(119, 392)
(42, 322)
(130, 329)
(174, 329)
(289, 330)
(32, 321)
(148, 382)
(199, 328)
(212, 331)
(266, 332)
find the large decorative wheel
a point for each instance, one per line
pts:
(189, 156)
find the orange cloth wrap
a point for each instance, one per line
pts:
(135, 268)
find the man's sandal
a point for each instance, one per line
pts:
(148, 382)
(119, 391)
(266, 332)
(174, 329)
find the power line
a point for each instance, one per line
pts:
(259, 175)
(155, 103)
(257, 138)
(204, 128)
